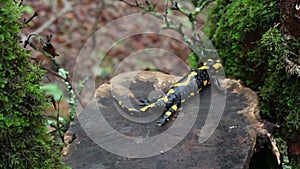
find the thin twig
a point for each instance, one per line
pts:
(52, 132)
(172, 25)
(167, 6)
(169, 23)
(21, 2)
(151, 8)
(57, 120)
(54, 73)
(66, 80)
(39, 44)
(34, 15)
(191, 15)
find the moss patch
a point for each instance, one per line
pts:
(23, 137)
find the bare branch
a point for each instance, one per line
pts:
(57, 121)
(170, 24)
(34, 15)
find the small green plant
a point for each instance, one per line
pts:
(23, 134)
(52, 89)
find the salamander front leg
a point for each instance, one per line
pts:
(166, 116)
(146, 101)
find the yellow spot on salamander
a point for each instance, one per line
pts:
(210, 60)
(205, 82)
(132, 109)
(217, 65)
(174, 107)
(187, 81)
(183, 100)
(203, 67)
(147, 107)
(192, 94)
(121, 104)
(166, 98)
(168, 113)
(171, 91)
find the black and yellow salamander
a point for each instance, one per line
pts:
(188, 86)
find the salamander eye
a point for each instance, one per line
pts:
(210, 63)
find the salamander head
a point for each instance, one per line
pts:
(211, 65)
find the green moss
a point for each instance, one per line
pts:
(254, 50)
(279, 91)
(234, 26)
(23, 137)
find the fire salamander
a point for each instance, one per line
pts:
(185, 88)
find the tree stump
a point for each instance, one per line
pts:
(230, 144)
